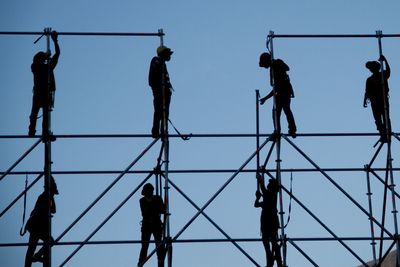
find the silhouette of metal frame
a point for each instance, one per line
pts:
(275, 139)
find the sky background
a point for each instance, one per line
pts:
(102, 89)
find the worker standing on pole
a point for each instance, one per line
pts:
(282, 91)
(159, 82)
(44, 86)
(377, 94)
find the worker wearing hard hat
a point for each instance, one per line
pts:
(162, 89)
(377, 94)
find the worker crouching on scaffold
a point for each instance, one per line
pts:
(152, 206)
(44, 87)
(282, 91)
(159, 80)
(269, 219)
(377, 95)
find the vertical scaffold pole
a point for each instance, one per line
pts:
(258, 135)
(270, 47)
(389, 169)
(47, 155)
(278, 149)
(369, 194)
(384, 91)
(394, 211)
(165, 140)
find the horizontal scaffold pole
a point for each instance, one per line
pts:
(90, 172)
(332, 35)
(198, 135)
(208, 240)
(86, 33)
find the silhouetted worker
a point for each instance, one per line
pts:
(37, 224)
(375, 94)
(152, 206)
(44, 86)
(282, 91)
(159, 80)
(269, 220)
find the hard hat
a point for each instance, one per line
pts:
(164, 50)
(373, 65)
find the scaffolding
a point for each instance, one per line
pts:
(162, 171)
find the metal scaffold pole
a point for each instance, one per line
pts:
(388, 137)
(165, 141)
(369, 194)
(47, 154)
(328, 36)
(116, 34)
(278, 149)
(258, 135)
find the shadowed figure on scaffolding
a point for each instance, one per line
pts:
(44, 87)
(38, 224)
(282, 91)
(159, 80)
(377, 93)
(152, 206)
(269, 220)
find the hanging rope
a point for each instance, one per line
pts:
(269, 39)
(22, 231)
(184, 137)
(290, 199)
(157, 171)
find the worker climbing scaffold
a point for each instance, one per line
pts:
(44, 86)
(151, 206)
(269, 222)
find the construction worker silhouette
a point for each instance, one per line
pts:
(44, 86)
(37, 224)
(152, 206)
(376, 92)
(161, 87)
(282, 91)
(269, 220)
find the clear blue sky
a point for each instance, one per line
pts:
(102, 89)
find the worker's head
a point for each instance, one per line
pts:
(265, 60)
(373, 66)
(164, 52)
(147, 190)
(273, 185)
(40, 57)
